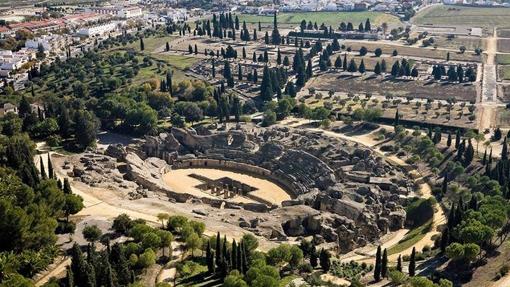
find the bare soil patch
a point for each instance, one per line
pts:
(179, 180)
(504, 45)
(402, 88)
(419, 52)
(504, 33)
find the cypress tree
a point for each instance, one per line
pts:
(142, 45)
(266, 88)
(43, 170)
(362, 67)
(399, 263)
(218, 249)
(313, 257)
(378, 265)
(444, 187)
(233, 255)
(209, 258)
(344, 64)
(504, 150)
(484, 159)
(324, 259)
(69, 282)
(120, 264)
(412, 263)
(67, 186)
(444, 239)
(384, 264)
(239, 257)
(449, 140)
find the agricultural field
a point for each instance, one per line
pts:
(504, 72)
(401, 88)
(471, 43)
(504, 45)
(504, 33)
(413, 51)
(328, 18)
(446, 15)
(503, 59)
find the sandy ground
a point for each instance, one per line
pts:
(337, 281)
(168, 273)
(180, 181)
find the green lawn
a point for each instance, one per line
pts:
(503, 59)
(328, 18)
(448, 15)
(411, 238)
(504, 72)
(177, 61)
(152, 43)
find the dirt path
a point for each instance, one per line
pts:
(58, 270)
(488, 99)
(168, 273)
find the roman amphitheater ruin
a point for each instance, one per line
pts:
(279, 183)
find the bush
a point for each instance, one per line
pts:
(305, 268)
(65, 227)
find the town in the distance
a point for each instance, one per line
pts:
(264, 143)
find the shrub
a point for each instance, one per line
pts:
(65, 227)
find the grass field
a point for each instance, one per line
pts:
(442, 15)
(328, 18)
(503, 59)
(504, 72)
(177, 62)
(411, 238)
(152, 43)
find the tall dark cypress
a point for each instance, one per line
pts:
(43, 170)
(209, 258)
(457, 139)
(504, 150)
(449, 140)
(239, 257)
(412, 263)
(377, 268)
(399, 263)
(444, 239)
(69, 282)
(51, 173)
(218, 249)
(384, 264)
(233, 255)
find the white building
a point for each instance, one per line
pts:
(124, 12)
(11, 61)
(98, 30)
(50, 43)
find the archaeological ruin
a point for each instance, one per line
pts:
(335, 190)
